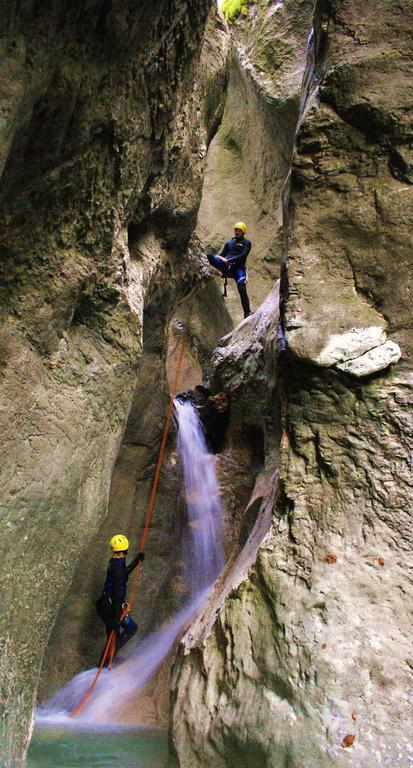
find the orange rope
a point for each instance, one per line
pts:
(110, 647)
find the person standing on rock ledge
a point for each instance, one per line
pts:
(232, 262)
(112, 600)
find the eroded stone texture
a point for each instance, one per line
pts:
(106, 115)
(208, 688)
(310, 643)
(307, 639)
(345, 460)
(250, 156)
(162, 587)
(350, 208)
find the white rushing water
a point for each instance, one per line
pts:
(202, 545)
(203, 560)
(115, 687)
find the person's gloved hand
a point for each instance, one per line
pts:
(140, 557)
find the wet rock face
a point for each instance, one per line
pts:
(305, 656)
(106, 114)
(350, 218)
(250, 156)
(345, 463)
(210, 711)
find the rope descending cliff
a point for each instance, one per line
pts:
(109, 650)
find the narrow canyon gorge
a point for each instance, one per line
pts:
(133, 135)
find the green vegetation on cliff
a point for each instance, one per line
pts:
(233, 8)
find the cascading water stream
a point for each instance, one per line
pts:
(203, 556)
(203, 563)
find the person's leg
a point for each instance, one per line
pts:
(216, 262)
(242, 290)
(103, 609)
(129, 629)
(110, 625)
(241, 280)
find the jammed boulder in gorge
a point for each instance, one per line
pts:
(303, 656)
(106, 115)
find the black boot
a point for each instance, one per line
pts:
(242, 290)
(129, 629)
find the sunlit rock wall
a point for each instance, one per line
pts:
(106, 113)
(250, 156)
(306, 657)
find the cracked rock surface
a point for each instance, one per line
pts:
(350, 211)
(303, 657)
(250, 156)
(106, 112)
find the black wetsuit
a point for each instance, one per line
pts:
(235, 251)
(110, 604)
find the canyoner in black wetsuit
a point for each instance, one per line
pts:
(232, 262)
(113, 598)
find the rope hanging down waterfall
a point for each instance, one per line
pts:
(109, 651)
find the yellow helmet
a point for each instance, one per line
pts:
(241, 225)
(119, 543)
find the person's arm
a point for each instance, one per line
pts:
(140, 557)
(239, 258)
(223, 254)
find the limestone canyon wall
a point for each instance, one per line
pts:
(303, 657)
(250, 156)
(165, 303)
(106, 113)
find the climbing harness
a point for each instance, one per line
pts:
(224, 293)
(110, 648)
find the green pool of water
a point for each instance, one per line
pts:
(132, 748)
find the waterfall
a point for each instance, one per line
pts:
(202, 545)
(203, 562)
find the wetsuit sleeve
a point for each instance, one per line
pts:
(138, 559)
(240, 258)
(225, 250)
(118, 589)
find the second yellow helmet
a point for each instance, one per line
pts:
(119, 543)
(241, 225)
